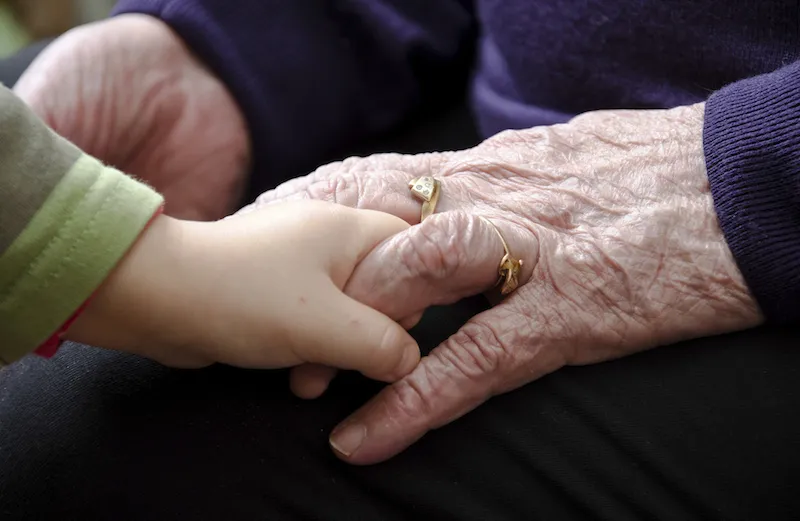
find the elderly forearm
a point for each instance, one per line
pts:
(66, 221)
(752, 147)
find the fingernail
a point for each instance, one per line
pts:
(347, 438)
(409, 361)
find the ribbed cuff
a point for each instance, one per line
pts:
(51, 346)
(752, 148)
(86, 225)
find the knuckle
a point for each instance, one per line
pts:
(349, 165)
(514, 138)
(412, 397)
(506, 137)
(340, 186)
(284, 191)
(390, 161)
(328, 170)
(478, 350)
(352, 163)
(436, 251)
(340, 189)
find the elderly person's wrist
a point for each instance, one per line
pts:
(753, 160)
(724, 290)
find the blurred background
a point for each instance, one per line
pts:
(23, 21)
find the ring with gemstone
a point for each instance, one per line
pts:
(427, 190)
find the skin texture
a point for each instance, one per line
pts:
(129, 92)
(257, 291)
(613, 216)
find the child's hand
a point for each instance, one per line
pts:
(260, 290)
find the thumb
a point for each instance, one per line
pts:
(495, 352)
(447, 384)
(310, 381)
(338, 331)
(346, 334)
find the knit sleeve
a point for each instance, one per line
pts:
(752, 147)
(65, 222)
(313, 76)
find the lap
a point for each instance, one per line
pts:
(701, 430)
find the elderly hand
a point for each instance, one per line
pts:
(129, 92)
(614, 219)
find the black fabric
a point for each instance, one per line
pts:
(706, 429)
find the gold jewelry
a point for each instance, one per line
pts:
(427, 190)
(509, 265)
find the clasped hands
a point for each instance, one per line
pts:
(611, 212)
(613, 215)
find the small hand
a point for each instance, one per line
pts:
(129, 92)
(262, 290)
(613, 217)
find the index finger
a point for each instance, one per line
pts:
(448, 257)
(385, 191)
(378, 182)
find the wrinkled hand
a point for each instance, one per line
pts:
(129, 92)
(613, 216)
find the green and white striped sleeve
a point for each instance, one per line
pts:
(65, 221)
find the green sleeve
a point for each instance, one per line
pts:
(65, 221)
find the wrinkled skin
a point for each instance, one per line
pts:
(614, 219)
(129, 92)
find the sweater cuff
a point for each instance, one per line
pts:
(85, 227)
(752, 147)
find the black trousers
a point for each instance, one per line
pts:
(708, 429)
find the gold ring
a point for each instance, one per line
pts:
(509, 267)
(427, 190)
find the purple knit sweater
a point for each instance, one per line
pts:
(312, 76)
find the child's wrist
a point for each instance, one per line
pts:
(142, 306)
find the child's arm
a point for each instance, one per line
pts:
(65, 221)
(258, 290)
